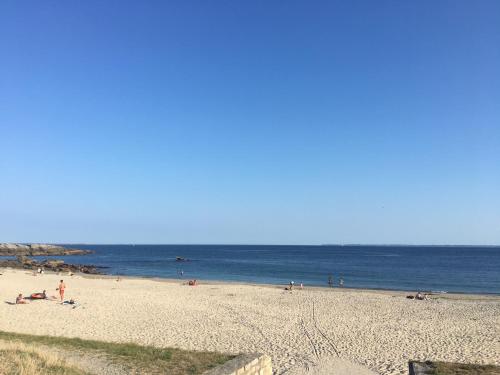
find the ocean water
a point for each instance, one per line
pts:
(429, 268)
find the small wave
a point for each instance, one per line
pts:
(390, 255)
(379, 255)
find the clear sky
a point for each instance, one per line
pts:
(290, 122)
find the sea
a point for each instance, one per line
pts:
(443, 269)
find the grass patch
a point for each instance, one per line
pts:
(19, 359)
(445, 368)
(137, 358)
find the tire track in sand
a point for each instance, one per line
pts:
(322, 333)
(320, 342)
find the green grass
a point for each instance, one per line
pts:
(137, 358)
(445, 368)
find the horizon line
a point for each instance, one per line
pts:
(257, 244)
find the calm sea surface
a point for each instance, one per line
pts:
(436, 268)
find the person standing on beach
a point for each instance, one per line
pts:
(61, 289)
(330, 281)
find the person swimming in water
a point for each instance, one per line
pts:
(61, 289)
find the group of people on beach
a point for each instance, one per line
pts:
(291, 285)
(331, 282)
(20, 299)
(419, 296)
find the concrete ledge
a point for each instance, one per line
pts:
(245, 364)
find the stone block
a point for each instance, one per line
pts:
(245, 364)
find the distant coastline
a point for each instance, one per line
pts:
(67, 244)
(405, 245)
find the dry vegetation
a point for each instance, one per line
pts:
(20, 359)
(25, 355)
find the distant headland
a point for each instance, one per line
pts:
(15, 249)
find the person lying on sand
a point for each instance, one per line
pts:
(42, 295)
(20, 300)
(421, 296)
(192, 282)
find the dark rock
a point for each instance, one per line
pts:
(25, 260)
(50, 265)
(10, 249)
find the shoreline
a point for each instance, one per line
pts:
(379, 270)
(280, 286)
(107, 276)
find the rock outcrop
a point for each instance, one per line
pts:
(54, 265)
(22, 252)
(60, 266)
(14, 249)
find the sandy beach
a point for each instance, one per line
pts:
(304, 331)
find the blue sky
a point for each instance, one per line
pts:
(290, 122)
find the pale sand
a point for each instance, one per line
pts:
(301, 331)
